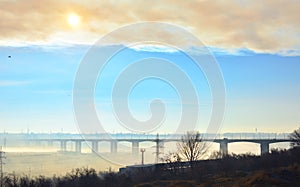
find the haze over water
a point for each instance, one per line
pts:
(48, 160)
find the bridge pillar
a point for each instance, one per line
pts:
(113, 146)
(95, 147)
(224, 146)
(78, 146)
(135, 148)
(4, 142)
(264, 148)
(63, 145)
(38, 143)
(50, 143)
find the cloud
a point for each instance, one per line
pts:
(13, 83)
(260, 26)
(153, 48)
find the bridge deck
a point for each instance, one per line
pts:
(161, 140)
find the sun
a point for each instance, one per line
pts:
(73, 19)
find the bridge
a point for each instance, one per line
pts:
(264, 143)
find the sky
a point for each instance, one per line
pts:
(256, 46)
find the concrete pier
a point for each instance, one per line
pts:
(264, 148)
(224, 146)
(63, 145)
(50, 143)
(113, 146)
(78, 146)
(95, 147)
(135, 148)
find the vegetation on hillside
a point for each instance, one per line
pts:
(295, 136)
(278, 168)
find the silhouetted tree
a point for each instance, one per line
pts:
(295, 136)
(191, 146)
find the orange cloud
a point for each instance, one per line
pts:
(267, 26)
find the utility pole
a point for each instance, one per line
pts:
(157, 148)
(2, 156)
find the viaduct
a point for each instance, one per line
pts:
(264, 143)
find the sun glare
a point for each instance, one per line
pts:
(73, 20)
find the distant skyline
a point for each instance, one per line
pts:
(256, 44)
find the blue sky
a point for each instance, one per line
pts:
(36, 90)
(255, 44)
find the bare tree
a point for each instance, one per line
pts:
(295, 136)
(191, 146)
